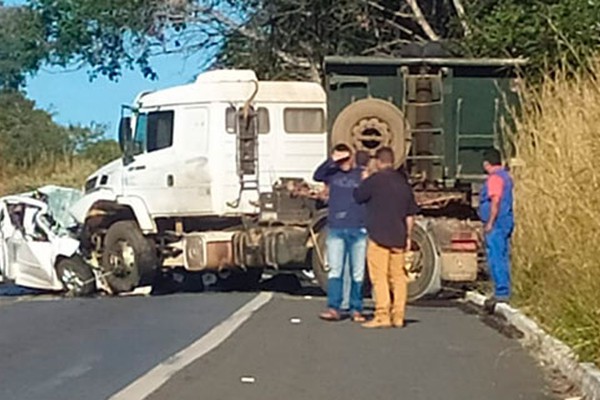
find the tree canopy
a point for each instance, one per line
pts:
(286, 38)
(22, 45)
(29, 136)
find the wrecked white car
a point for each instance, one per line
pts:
(36, 249)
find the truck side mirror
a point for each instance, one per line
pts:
(124, 133)
(125, 139)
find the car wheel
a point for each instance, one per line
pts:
(129, 259)
(76, 276)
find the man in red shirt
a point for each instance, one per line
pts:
(496, 213)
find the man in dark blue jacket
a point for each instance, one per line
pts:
(347, 237)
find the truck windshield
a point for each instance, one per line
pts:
(141, 129)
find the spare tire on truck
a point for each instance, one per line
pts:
(371, 124)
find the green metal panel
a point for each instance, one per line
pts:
(475, 94)
(449, 124)
(343, 90)
(479, 105)
(387, 87)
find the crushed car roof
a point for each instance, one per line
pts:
(58, 199)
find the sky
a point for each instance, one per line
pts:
(73, 99)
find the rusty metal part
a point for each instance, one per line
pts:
(317, 249)
(431, 200)
(208, 250)
(248, 103)
(459, 266)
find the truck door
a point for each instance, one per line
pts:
(150, 175)
(192, 180)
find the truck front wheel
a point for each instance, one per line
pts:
(129, 259)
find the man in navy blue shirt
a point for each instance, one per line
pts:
(391, 207)
(347, 236)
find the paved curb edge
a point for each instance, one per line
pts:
(548, 348)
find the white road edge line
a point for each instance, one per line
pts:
(159, 375)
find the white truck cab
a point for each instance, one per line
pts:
(195, 185)
(183, 161)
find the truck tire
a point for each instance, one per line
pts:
(76, 276)
(425, 267)
(129, 259)
(370, 124)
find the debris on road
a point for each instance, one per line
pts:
(295, 320)
(248, 379)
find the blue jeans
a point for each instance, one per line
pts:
(497, 243)
(346, 248)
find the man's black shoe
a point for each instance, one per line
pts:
(489, 305)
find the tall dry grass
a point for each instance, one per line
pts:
(70, 172)
(556, 254)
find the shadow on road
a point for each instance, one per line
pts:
(10, 290)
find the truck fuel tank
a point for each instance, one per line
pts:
(208, 250)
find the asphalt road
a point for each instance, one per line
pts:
(76, 349)
(92, 348)
(443, 353)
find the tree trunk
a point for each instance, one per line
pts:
(460, 11)
(420, 18)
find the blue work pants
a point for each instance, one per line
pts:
(497, 243)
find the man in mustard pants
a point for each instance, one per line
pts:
(391, 207)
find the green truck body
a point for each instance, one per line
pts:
(455, 109)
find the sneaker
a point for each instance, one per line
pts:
(489, 305)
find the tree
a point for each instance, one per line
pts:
(289, 38)
(277, 37)
(29, 137)
(22, 46)
(109, 35)
(550, 33)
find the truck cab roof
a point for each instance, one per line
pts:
(229, 86)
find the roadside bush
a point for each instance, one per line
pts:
(68, 172)
(556, 252)
(35, 151)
